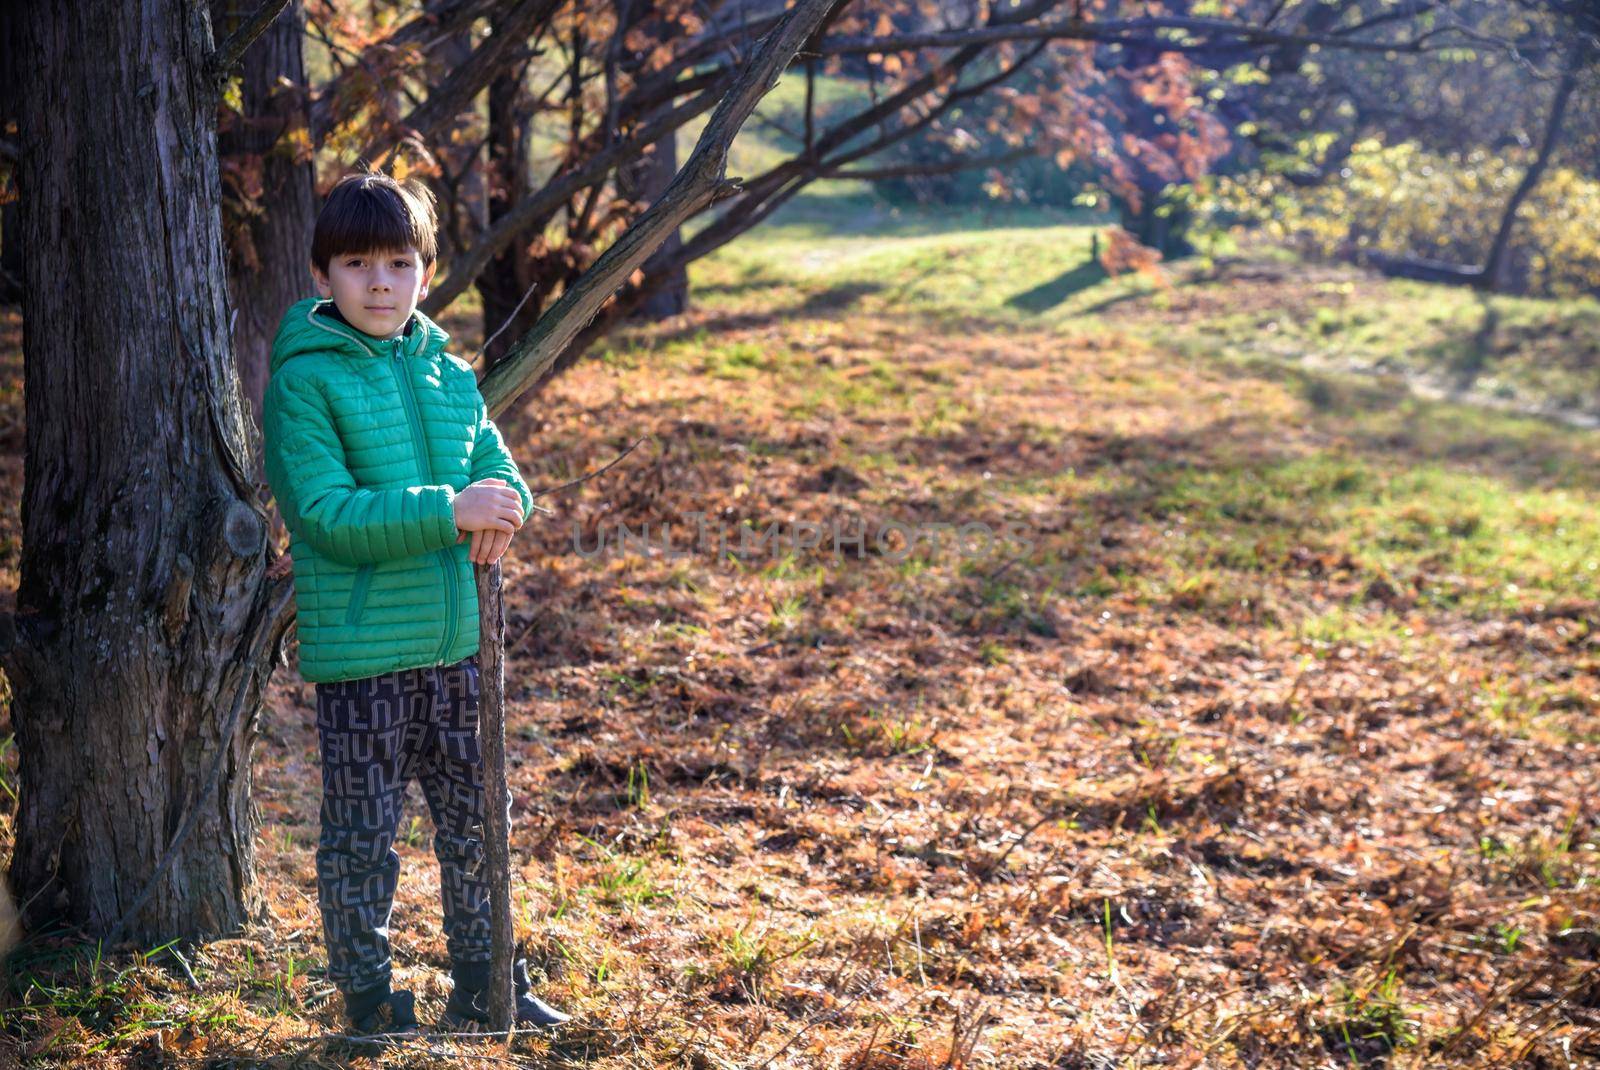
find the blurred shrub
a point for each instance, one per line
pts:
(1404, 201)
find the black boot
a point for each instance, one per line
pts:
(468, 1008)
(380, 1018)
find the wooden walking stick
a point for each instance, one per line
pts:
(497, 793)
(496, 826)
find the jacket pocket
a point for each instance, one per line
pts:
(358, 594)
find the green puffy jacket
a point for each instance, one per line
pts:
(367, 441)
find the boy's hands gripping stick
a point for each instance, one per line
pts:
(491, 511)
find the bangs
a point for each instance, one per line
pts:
(370, 213)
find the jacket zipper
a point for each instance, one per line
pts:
(446, 559)
(424, 469)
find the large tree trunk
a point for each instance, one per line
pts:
(10, 252)
(269, 254)
(507, 278)
(465, 204)
(143, 614)
(646, 179)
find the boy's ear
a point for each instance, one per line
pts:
(427, 277)
(321, 280)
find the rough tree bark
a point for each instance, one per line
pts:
(508, 276)
(143, 615)
(267, 269)
(646, 179)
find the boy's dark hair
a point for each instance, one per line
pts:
(370, 211)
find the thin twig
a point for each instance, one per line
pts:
(815, 1017)
(591, 475)
(187, 972)
(499, 330)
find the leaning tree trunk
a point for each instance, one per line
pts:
(143, 618)
(1495, 267)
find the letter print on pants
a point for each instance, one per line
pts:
(377, 733)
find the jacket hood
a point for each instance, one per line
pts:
(307, 327)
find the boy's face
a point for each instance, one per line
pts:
(376, 291)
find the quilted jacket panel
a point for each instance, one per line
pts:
(367, 441)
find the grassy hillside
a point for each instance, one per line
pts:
(1274, 747)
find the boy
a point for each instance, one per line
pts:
(384, 463)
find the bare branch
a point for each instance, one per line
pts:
(764, 196)
(226, 56)
(958, 163)
(952, 98)
(1127, 31)
(699, 183)
(466, 268)
(588, 475)
(438, 21)
(453, 97)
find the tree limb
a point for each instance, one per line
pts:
(698, 183)
(764, 195)
(778, 186)
(450, 99)
(226, 56)
(465, 268)
(957, 163)
(437, 22)
(1128, 31)
(1500, 249)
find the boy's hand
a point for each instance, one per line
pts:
(491, 511)
(488, 546)
(489, 505)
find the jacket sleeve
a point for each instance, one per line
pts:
(318, 497)
(491, 457)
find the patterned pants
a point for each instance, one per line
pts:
(377, 733)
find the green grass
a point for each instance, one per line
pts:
(624, 882)
(49, 982)
(1465, 539)
(1370, 1019)
(1531, 351)
(1425, 503)
(1017, 267)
